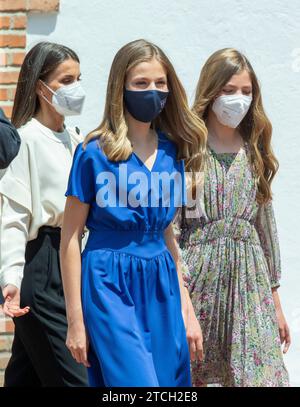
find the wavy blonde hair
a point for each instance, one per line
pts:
(255, 128)
(177, 120)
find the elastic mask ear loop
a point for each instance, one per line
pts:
(52, 91)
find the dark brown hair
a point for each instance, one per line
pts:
(39, 63)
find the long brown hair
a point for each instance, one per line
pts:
(255, 128)
(39, 63)
(180, 124)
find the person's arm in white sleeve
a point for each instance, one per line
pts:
(13, 239)
(16, 212)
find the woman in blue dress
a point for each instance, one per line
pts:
(126, 303)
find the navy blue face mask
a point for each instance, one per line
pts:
(145, 105)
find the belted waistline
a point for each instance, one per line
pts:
(50, 229)
(51, 233)
(141, 243)
(230, 227)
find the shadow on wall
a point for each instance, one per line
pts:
(42, 24)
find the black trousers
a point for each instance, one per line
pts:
(39, 353)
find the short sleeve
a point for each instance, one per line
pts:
(81, 183)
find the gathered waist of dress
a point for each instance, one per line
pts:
(140, 243)
(229, 227)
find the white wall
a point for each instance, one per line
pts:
(268, 32)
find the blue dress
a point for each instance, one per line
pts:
(130, 290)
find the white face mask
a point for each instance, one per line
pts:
(231, 109)
(68, 100)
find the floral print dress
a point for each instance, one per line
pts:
(231, 261)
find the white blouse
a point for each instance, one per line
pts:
(32, 192)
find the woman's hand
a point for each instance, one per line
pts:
(11, 306)
(194, 337)
(77, 342)
(284, 331)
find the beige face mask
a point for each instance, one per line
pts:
(231, 109)
(68, 100)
